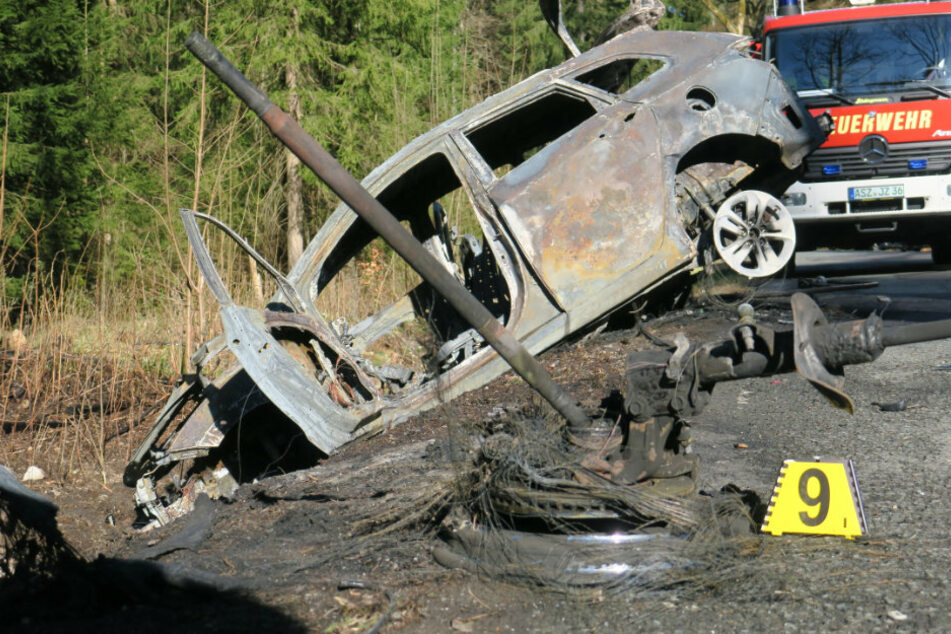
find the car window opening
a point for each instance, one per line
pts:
(620, 75)
(514, 137)
(403, 330)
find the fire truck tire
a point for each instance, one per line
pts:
(941, 253)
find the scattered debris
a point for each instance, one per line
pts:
(33, 474)
(898, 406)
(897, 615)
(209, 483)
(632, 465)
(538, 510)
(196, 529)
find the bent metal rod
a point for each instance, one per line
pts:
(335, 176)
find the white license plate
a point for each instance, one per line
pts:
(879, 191)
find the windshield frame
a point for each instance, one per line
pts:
(881, 69)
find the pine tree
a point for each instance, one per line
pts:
(50, 180)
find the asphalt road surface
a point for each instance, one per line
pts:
(909, 288)
(899, 577)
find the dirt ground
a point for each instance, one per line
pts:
(288, 553)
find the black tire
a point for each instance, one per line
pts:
(941, 253)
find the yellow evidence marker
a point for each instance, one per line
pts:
(817, 498)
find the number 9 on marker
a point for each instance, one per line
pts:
(817, 497)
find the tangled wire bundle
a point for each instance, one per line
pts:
(535, 513)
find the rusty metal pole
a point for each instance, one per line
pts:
(915, 333)
(388, 227)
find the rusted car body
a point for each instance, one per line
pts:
(554, 202)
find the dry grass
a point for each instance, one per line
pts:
(80, 368)
(375, 278)
(75, 378)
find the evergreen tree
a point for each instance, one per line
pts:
(685, 15)
(111, 129)
(50, 180)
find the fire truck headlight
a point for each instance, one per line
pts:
(798, 199)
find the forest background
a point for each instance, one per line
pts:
(109, 126)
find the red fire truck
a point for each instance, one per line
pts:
(884, 74)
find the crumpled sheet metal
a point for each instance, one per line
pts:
(583, 221)
(286, 381)
(587, 223)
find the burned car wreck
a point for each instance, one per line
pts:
(553, 204)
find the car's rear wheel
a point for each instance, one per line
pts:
(754, 233)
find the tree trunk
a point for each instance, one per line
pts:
(292, 184)
(257, 287)
(192, 287)
(718, 15)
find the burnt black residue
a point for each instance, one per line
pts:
(121, 595)
(52, 588)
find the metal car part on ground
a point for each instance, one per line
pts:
(633, 467)
(581, 189)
